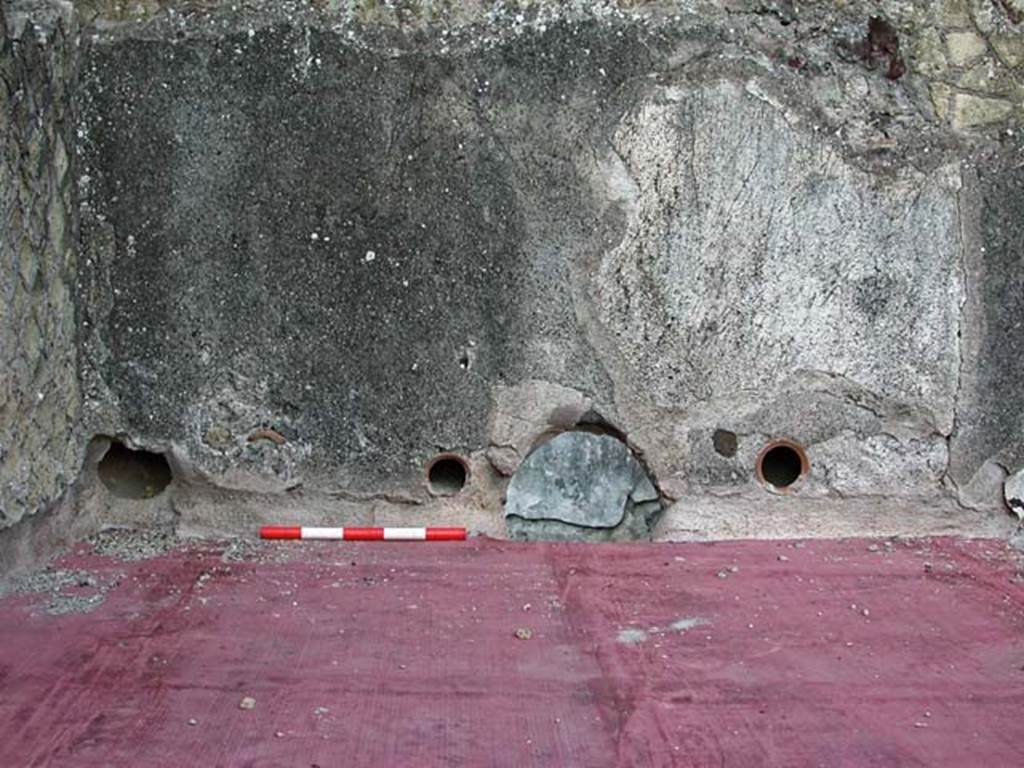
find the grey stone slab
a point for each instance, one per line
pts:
(581, 479)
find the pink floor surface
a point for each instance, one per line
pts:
(847, 653)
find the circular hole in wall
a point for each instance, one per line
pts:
(132, 474)
(447, 474)
(782, 465)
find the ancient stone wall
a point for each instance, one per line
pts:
(40, 453)
(336, 254)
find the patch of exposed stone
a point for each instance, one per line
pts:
(130, 544)
(39, 390)
(61, 591)
(972, 53)
(256, 551)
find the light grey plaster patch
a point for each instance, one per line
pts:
(686, 623)
(756, 250)
(632, 636)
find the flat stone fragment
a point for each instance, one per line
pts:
(579, 478)
(1010, 48)
(965, 47)
(974, 111)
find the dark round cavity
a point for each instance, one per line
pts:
(131, 474)
(446, 475)
(781, 466)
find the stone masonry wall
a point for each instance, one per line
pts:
(39, 393)
(326, 242)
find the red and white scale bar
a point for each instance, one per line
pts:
(362, 534)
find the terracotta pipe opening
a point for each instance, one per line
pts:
(447, 474)
(782, 466)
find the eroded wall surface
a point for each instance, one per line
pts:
(324, 243)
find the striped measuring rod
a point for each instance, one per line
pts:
(362, 534)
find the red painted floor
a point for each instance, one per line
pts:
(822, 654)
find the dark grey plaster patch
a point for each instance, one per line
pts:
(329, 233)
